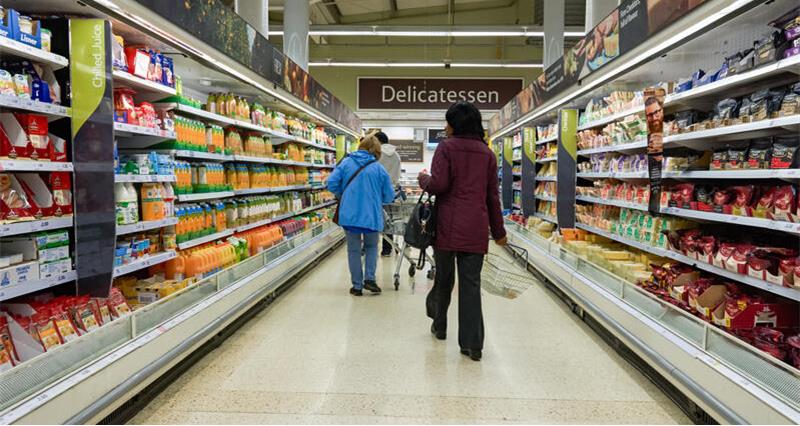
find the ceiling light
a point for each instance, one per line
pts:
(427, 31)
(423, 64)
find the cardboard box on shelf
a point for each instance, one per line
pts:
(19, 273)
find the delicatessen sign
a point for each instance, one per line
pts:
(434, 93)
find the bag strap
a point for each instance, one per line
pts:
(360, 169)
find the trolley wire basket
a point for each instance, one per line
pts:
(507, 278)
(396, 216)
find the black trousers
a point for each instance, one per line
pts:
(387, 246)
(470, 314)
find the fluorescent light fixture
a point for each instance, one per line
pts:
(625, 66)
(423, 64)
(427, 31)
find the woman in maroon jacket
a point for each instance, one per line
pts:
(464, 180)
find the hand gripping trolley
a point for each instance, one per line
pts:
(396, 217)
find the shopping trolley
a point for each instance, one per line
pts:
(396, 217)
(507, 278)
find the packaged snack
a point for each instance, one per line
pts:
(767, 49)
(784, 152)
(784, 202)
(791, 101)
(721, 197)
(736, 158)
(741, 198)
(765, 204)
(118, 59)
(22, 87)
(759, 154)
(719, 159)
(7, 86)
(682, 194)
(774, 101)
(794, 345)
(64, 325)
(61, 187)
(45, 329)
(726, 109)
(46, 35)
(7, 353)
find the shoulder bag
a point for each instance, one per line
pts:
(339, 203)
(421, 227)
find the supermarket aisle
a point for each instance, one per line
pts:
(320, 355)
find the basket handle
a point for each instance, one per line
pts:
(519, 252)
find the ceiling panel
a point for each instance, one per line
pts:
(414, 4)
(357, 7)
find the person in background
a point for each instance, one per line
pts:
(362, 187)
(390, 160)
(464, 180)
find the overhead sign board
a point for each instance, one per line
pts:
(409, 151)
(399, 93)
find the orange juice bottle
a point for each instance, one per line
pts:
(175, 268)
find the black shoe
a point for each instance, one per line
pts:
(371, 286)
(441, 335)
(474, 355)
(356, 292)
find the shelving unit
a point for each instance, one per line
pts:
(14, 48)
(611, 202)
(27, 227)
(271, 190)
(16, 290)
(776, 225)
(144, 178)
(207, 239)
(277, 219)
(52, 111)
(127, 130)
(145, 226)
(758, 387)
(546, 178)
(202, 196)
(34, 166)
(126, 79)
(145, 262)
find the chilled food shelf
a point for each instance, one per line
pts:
(757, 222)
(613, 175)
(21, 289)
(720, 87)
(789, 174)
(547, 140)
(612, 202)
(250, 191)
(754, 129)
(125, 129)
(547, 159)
(127, 79)
(658, 251)
(546, 178)
(207, 239)
(515, 174)
(283, 217)
(280, 137)
(296, 139)
(612, 118)
(14, 48)
(200, 155)
(145, 226)
(51, 110)
(34, 166)
(27, 227)
(517, 160)
(544, 197)
(205, 196)
(267, 160)
(144, 178)
(546, 217)
(145, 262)
(625, 147)
(516, 206)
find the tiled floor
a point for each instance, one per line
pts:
(319, 355)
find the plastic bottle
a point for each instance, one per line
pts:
(152, 204)
(169, 200)
(132, 202)
(176, 268)
(120, 203)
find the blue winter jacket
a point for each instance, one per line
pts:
(361, 207)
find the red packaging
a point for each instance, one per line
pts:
(742, 195)
(61, 188)
(84, 314)
(124, 105)
(14, 205)
(706, 248)
(794, 350)
(784, 202)
(786, 268)
(138, 61)
(117, 303)
(722, 198)
(682, 195)
(737, 262)
(148, 117)
(8, 356)
(759, 264)
(747, 312)
(67, 330)
(36, 130)
(770, 341)
(45, 329)
(7, 150)
(103, 311)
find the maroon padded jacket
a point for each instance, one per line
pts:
(464, 180)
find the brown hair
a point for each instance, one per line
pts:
(371, 144)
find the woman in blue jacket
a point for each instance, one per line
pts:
(361, 209)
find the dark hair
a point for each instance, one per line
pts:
(465, 119)
(651, 101)
(382, 137)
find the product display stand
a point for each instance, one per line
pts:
(692, 266)
(185, 213)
